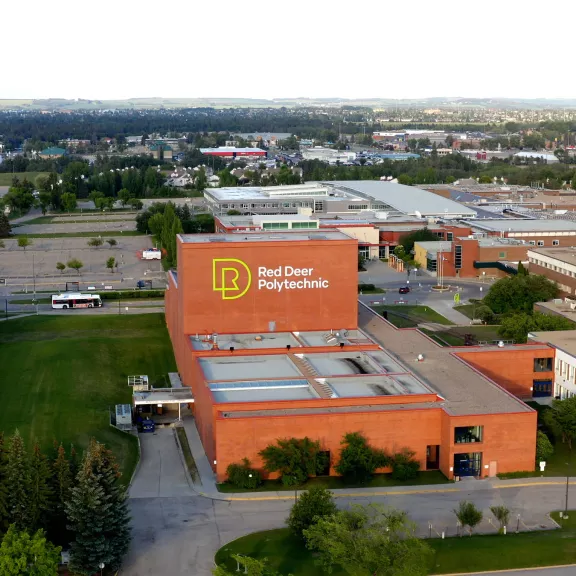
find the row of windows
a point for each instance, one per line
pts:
(357, 206)
(286, 226)
(553, 267)
(269, 205)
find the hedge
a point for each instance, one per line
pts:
(131, 294)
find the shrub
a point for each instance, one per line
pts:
(358, 460)
(243, 476)
(131, 294)
(311, 505)
(404, 467)
(366, 287)
(295, 459)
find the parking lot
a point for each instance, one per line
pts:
(19, 266)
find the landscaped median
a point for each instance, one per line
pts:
(288, 554)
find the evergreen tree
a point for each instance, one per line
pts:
(74, 464)
(4, 514)
(18, 483)
(97, 513)
(61, 486)
(40, 496)
(5, 228)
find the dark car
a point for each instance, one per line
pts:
(404, 290)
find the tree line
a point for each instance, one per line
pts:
(55, 500)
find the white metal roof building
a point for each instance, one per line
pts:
(340, 198)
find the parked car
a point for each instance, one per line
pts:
(404, 290)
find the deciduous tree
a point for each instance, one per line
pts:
(502, 514)
(75, 264)
(315, 503)
(561, 419)
(519, 293)
(358, 460)
(60, 266)
(468, 515)
(110, 263)
(369, 540)
(5, 227)
(544, 448)
(295, 459)
(24, 242)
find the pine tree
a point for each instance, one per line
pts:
(61, 486)
(4, 515)
(5, 228)
(40, 502)
(18, 483)
(97, 513)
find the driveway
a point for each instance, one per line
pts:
(161, 473)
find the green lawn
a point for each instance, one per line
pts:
(409, 316)
(335, 482)
(454, 336)
(288, 555)
(6, 177)
(77, 219)
(467, 309)
(61, 374)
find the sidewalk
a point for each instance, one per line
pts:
(208, 487)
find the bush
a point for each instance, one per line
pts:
(485, 314)
(358, 460)
(295, 459)
(368, 287)
(131, 294)
(242, 476)
(311, 505)
(404, 467)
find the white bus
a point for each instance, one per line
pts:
(76, 300)
(152, 254)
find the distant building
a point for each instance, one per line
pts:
(53, 152)
(161, 151)
(232, 152)
(328, 155)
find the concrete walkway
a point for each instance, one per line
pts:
(161, 473)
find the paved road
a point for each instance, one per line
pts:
(177, 531)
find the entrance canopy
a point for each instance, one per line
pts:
(163, 396)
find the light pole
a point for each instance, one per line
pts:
(101, 567)
(567, 486)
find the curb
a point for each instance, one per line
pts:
(342, 493)
(183, 462)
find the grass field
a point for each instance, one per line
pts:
(288, 555)
(60, 375)
(335, 482)
(409, 316)
(57, 219)
(454, 336)
(7, 177)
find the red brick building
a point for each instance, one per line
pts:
(268, 334)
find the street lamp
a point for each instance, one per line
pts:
(567, 485)
(101, 567)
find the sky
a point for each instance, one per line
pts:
(119, 49)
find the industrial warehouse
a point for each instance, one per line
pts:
(265, 362)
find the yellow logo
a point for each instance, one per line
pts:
(230, 276)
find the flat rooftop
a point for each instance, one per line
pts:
(283, 236)
(232, 368)
(513, 225)
(405, 199)
(465, 391)
(279, 340)
(564, 340)
(566, 254)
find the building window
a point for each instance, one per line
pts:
(555, 242)
(532, 243)
(304, 225)
(449, 236)
(468, 434)
(275, 225)
(542, 364)
(502, 255)
(458, 257)
(540, 242)
(318, 206)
